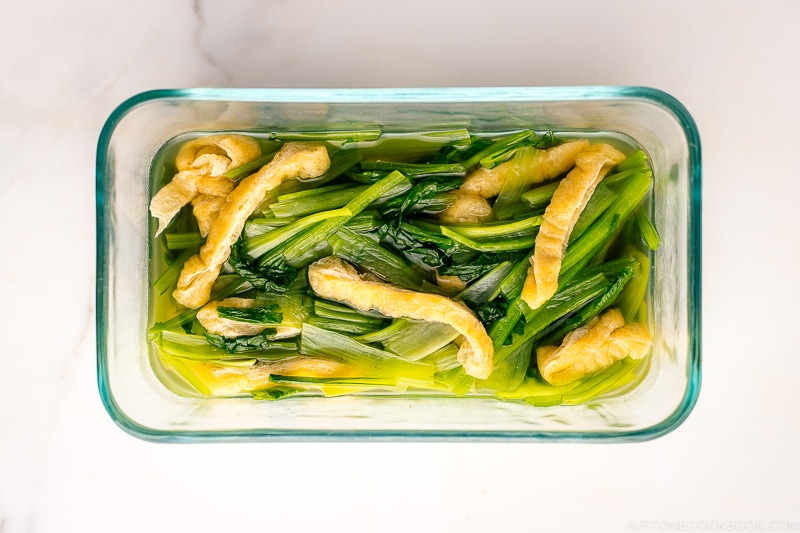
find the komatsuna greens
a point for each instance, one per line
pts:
(512, 265)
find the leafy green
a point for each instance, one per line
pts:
(276, 276)
(418, 198)
(416, 244)
(270, 314)
(494, 315)
(275, 392)
(499, 150)
(481, 264)
(491, 311)
(504, 148)
(370, 256)
(245, 344)
(600, 304)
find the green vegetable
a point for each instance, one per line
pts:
(367, 254)
(420, 246)
(276, 276)
(270, 314)
(299, 250)
(261, 244)
(248, 168)
(242, 344)
(480, 265)
(415, 169)
(377, 208)
(420, 196)
(370, 361)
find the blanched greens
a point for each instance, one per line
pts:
(378, 208)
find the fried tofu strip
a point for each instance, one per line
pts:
(230, 380)
(332, 278)
(484, 183)
(568, 201)
(209, 318)
(467, 207)
(598, 345)
(201, 165)
(294, 160)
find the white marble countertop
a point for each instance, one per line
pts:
(734, 463)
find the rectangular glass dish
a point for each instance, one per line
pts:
(139, 401)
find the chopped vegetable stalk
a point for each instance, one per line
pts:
(371, 257)
(259, 226)
(306, 204)
(258, 246)
(419, 339)
(510, 367)
(616, 376)
(250, 167)
(183, 241)
(320, 342)
(523, 170)
(589, 312)
(540, 196)
(647, 229)
(600, 201)
(633, 296)
(170, 276)
(494, 230)
(298, 249)
(491, 245)
(582, 250)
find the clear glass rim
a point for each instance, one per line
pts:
(377, 95)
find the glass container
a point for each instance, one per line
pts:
(140, 403)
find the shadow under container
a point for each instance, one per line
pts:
(140, 403)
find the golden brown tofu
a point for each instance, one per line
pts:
(591, 348)
(294, 160)
(334, 279)
(201, 165)
(484, 183)
(467, 208)
(565, 207)
(231, 380)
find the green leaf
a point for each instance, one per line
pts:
(270, 314)
(480, 265)
(275, 276)
(416, 244)
(275, 392)
(242, 344)
(420, 194)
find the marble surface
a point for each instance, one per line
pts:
(65, 466)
